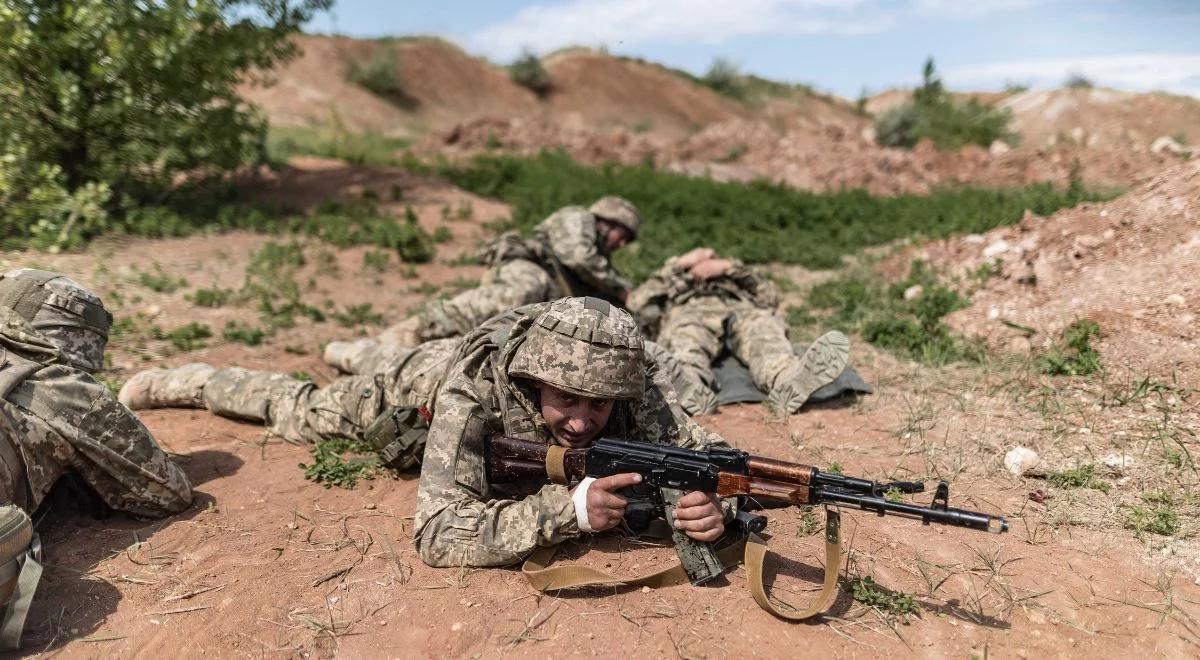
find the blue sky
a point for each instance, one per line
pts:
(843, 46)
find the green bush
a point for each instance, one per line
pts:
(104, 103)
(757, 222)
(377, 74)
(934, 114)
(360, 223)
(1078, 81)
(528, 72)
(334, 141)
(724, 77)
(1075, 355)
(860, 302)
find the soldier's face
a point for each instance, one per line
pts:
(575, 421)
(615, 236)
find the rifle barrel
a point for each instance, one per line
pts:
(926, 514)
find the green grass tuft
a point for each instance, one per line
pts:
(330, 466)
(1083, 476)
(1075, 355)
(894, 604)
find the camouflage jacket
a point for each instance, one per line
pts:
(463, 520)
(55, 419)
(672, 285)
(567, 245)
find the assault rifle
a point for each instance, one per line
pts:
(673, 471)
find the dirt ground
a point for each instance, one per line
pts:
(266, 564)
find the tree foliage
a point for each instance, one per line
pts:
(934, 114)
(104, 104)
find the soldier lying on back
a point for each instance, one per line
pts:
(55, 419)
(695, 299)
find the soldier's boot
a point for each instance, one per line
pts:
(820, 365)
(349, 356)
(182, 387)
(405, 334)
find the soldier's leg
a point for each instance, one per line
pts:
(759, 339)
(511, 284)
(297, 410)
(693, 334)
(694, 396)
(361, 356)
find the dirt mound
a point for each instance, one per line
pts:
(439, 85)
(1102, 117)
(1132, 265)
(811, 155)
(601, 91)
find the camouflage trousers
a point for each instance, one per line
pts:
(694, 333)
(299, 411)
(505, 286)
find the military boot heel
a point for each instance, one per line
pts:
(820, 365)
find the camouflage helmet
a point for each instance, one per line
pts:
(62, 311)
(584, 346)
(617, 210)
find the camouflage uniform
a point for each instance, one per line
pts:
(56, 419)
(567, 256)
(691, 318)
(463, 520)
(298, 410)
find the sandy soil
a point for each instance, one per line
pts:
(268, 564)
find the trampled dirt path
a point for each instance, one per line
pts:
(266, 564)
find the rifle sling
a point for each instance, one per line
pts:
(753, 551)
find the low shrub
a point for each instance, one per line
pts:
(528, 72)
(934, 114)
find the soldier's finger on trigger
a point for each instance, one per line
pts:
(693, 499)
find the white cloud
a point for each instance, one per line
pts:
(544, 27)
(970, 8)
(1172, 72)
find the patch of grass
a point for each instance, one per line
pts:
(160, 282)
(1158, 520)
(334, 141)
(1075, 355)
(345, 224)
(861, 302)
(302, 375)
(243, 334)
(894, 604)
(331, 467)
(809, 523)
(378, 74)
(270, 279)
(759, 222)
(184, 338)
(376, 260)
(214, 297)
(357, 315)
(834, 468)
(442, 234)
(1083, 476)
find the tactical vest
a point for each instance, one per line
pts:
(510, 246)
(20, 571)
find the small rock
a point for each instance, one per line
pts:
(999, 148)
(974, 239)
(1176, 299)
(993, 313)
(1169, 145)
(913, 292)
(151, 311)
(995, 249)
(1118, 462)
(645, 590)
(456, 627)
(369, 505)
(1021, 460)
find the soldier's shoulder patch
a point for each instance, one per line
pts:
(469, 466)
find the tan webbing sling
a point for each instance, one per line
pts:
(753, 551)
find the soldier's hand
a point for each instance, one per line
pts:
(694, 256)
(710, 269)
(699, 516)
(606, 509)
